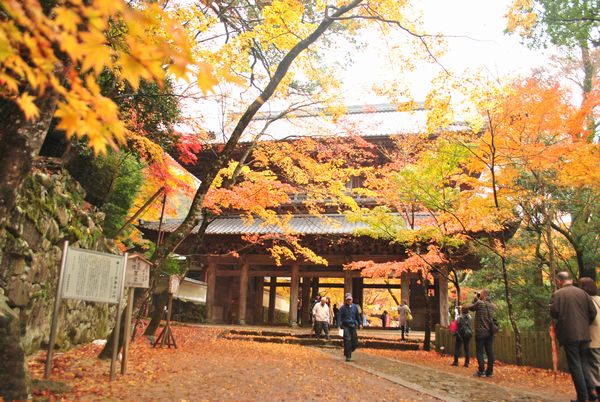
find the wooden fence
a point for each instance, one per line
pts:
(536, 348)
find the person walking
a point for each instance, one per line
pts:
(593, 363)
(403, 317)
(484, 332)
(573, 311)
(336, 315)
(349, 321)
(321, 317)
(384, 317)
(464, 332)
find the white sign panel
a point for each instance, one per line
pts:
(93, 276)
(173, 284)
(138, 274)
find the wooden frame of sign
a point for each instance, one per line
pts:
(137, 275)
(90, 276)
(166, 335)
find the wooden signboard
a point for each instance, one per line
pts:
(138, 272)
(91, 276)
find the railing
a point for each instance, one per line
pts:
(536, 347)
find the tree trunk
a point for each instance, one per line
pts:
(510, 308)
(20, 143)
(14, 380)
(427, 339)
(159, 302)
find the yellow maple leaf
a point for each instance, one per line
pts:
(67, 18)
(96, 53)
(206, 78)
(30, 110)
(132, 70)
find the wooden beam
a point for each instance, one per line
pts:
(211, 282)
(259, 283)
(265, 259)
(294, 282)
(272, 300)
(305, 310)
(243, 293)
(443, 300)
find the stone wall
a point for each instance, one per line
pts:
(50, 209)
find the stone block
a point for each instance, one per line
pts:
(63, 216)
(18, 292)
(18, 266)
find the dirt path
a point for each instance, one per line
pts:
(207, 368)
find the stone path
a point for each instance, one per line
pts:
(437, 383)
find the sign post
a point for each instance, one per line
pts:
(90, 276)
(113, 360)
(136, 276)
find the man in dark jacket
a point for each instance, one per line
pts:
(484, 334)
(349, 319)
(573, 312)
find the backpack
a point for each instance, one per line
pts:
(464, 329)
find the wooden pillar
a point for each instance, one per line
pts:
(347, 282)
(211, 283)
(272, 300)
(357, 288)
(305, 311)
(443, 297)
(258, 299)
(294, 284)
(405, 287)
(243, 293)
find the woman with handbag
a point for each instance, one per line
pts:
(463, 335)
(404, 318)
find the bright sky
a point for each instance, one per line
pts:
(484, 44)
(476, 39)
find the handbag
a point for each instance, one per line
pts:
(341, 332)
(409, 316)
(453, 326)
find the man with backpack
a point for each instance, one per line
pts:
(463, 334)
(485, 328)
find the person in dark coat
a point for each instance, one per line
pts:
(573, 312)
(464, 332)
(349, 321)
(384, 318)
(336, 314)
(484, 334)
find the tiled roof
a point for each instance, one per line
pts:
(364, 120)
(304, 224)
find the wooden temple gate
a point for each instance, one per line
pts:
(235, 288)
(236, 284)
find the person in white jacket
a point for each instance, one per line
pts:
(321, 317)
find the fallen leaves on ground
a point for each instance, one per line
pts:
(204, 367)
(527, 378)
